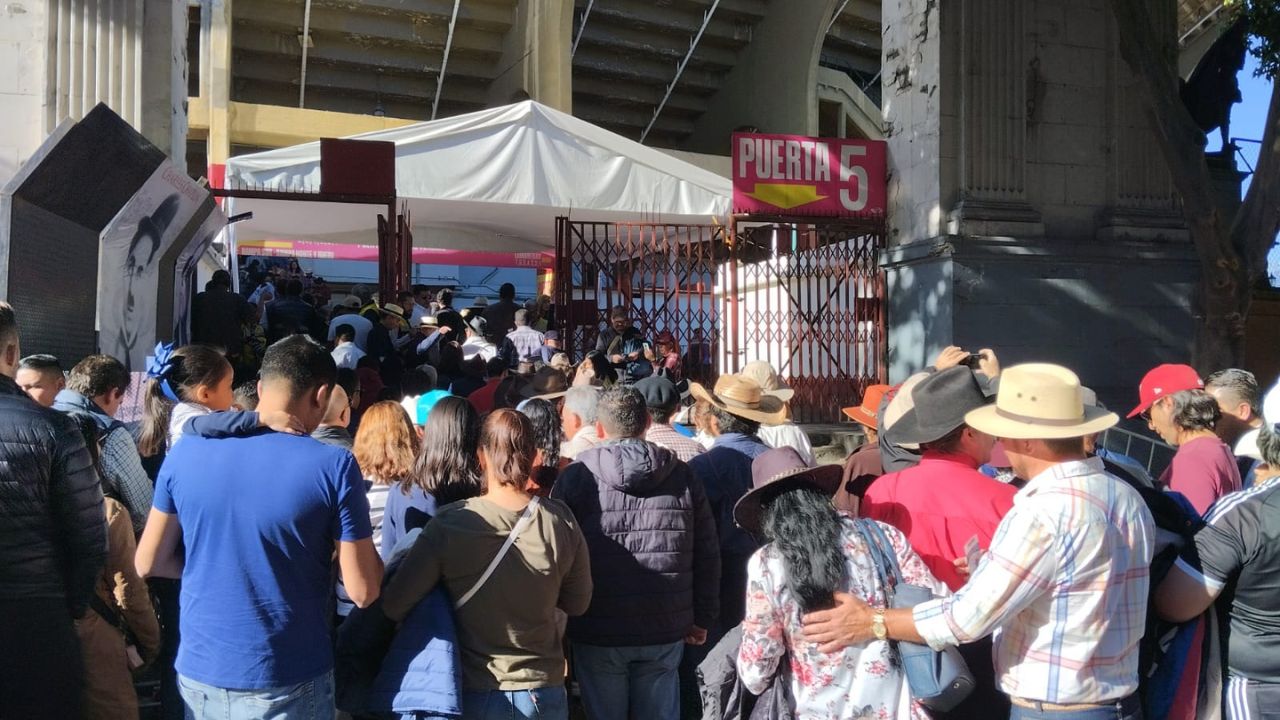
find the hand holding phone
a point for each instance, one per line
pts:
(972, 553)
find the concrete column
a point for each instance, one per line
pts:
(1140, 195)
(993, 120)
(163, 73)
(773, 86)
(215, 87)
(24, 31)
(535, 61)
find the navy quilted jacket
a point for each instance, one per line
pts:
(53, 529)
(655, 560)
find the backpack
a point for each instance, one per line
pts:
(1162, 652)
(109, 487)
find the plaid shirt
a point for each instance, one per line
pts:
(663, 435)
(123, 468)
(1064, 587)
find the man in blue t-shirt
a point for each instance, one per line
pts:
(259, 516)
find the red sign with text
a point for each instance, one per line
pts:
(799, 175)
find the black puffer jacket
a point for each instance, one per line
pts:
(53, 531)
(655, 559)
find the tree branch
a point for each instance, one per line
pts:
(1254, 228)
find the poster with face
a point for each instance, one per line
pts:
(129, 265)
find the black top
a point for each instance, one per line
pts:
(1238, 550)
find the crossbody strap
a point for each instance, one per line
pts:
(525, 520)
(884, 560)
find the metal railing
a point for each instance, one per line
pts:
(1149, 452)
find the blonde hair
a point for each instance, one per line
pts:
(386, 443)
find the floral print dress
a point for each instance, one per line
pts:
(857, 683)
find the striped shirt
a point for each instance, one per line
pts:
(1064, 587)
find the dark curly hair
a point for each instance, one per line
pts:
(805, 527)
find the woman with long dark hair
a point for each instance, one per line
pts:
(545, 421)
(446, 471)
(812, 552)
(510, 636)
(596, 370)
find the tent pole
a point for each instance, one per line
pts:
(693, 45)
(444, 63)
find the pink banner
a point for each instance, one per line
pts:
(369, 253)
(798, 175)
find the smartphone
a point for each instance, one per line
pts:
(973, 360)
(972, 553)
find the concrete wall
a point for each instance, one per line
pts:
(1030, 210)
(773, 86)
(1110, 311)
(23, 39)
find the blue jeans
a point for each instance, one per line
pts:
(310, 700)
(1128, 709)
(548, 703)
(629, 682)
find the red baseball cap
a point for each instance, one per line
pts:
(1165, 380)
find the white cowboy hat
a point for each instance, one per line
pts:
(767, 378)
(742, 396)
(1040, 401)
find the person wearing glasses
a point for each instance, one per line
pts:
(1176, 406)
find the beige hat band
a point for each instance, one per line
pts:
(1016, 417)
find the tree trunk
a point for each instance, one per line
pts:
(1230, 250)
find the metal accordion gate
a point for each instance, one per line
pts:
(807, 296)
(804, 294)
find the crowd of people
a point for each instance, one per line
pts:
(404, 510)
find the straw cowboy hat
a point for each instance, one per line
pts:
(1040, 401)
(774, 472)
(767, 378)
(742, 396)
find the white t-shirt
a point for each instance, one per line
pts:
(180, 416)
(476, 345)
(347, 355)
(787, 435)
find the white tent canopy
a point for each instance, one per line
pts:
(492, 180)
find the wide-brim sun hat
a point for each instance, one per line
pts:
(899, 405)
(776, 471)
(767, 378)
(939, 404)
(865, 412)
(547, 383)
(742, 396)
(1040, 401)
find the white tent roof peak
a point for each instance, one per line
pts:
(489, 180)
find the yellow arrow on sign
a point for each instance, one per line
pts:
(786, 196)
